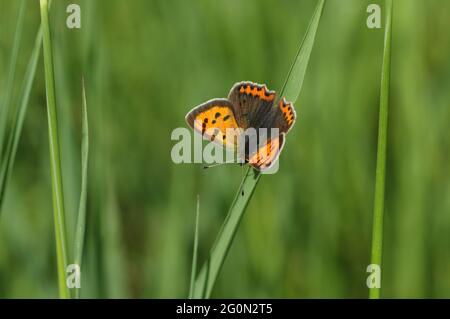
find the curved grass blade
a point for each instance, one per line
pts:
(210, 270)
(380, 175)
(55, 158)
(194, 255)
(16, 130)
(81, 219)
(5, 103)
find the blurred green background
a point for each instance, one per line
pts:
(307, 229)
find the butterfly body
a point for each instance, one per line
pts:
(249, 107)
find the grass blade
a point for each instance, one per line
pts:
(378, 209)
(210, 270)
(81, 220)
(55, 158)
(5, 104)
(19, 117)
(294, 81)
(194, 255)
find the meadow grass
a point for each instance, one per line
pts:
(305, 233)
(7, 163)
(207, 277)
(5, 100)
(55, 159)
(81, 217)
(195, 250)
(380, 175)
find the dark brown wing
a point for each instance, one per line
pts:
(252, 103)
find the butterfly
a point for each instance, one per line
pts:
(249, 105)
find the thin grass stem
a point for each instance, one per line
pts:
(7, 164)
(380, 175)
(55, 158)
(81, 219)
(5, 101)
(195, 250)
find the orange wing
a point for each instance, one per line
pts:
(216, 122)
(267, 154)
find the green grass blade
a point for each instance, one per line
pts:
(210, 270)
(81, 220)
(194, 255)
(5, 103)
(294, 81)
(55, 158)
(378, 210)
(16, 129)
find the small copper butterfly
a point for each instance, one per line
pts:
(249, 105)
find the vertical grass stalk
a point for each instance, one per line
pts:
(55, 160)
(380, 175)
(5, 101)
(208, 274)
(81, 219)
(195, 250)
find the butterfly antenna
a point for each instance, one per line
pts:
(217, 164)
